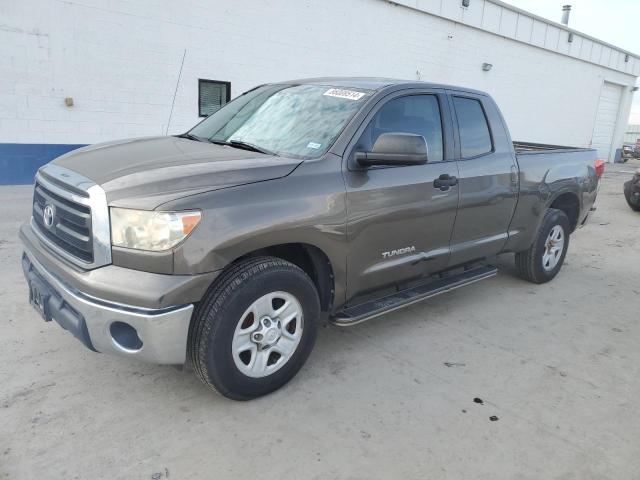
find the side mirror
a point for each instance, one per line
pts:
(395, 149)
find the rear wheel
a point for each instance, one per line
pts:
(255, 329)
(542, 261)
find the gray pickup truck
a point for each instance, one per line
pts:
(335, 198)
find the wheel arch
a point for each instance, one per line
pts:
(569, 203)
(311, 259)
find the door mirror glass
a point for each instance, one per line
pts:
(395, 149)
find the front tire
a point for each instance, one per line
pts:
(255, 328)
(542, 261)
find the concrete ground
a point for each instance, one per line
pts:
(556, 364)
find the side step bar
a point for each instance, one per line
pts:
(368, 310)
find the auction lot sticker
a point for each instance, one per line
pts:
(341, 93)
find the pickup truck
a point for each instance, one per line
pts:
(336, 199)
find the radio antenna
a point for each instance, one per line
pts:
(176, 92)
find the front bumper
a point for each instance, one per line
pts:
(116, 310)
(106, 327)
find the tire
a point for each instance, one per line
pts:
(628, 190)
(540, 262)
(227, 320)
(635, 208)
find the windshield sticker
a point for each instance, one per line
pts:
(341, 93)
(314, 145)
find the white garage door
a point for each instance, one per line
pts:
(606, 119)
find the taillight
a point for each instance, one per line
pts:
(599, 165)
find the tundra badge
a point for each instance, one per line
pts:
(400, 251)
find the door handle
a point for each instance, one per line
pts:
(445, 181)
(514, 175)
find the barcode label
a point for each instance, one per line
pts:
(341, 93)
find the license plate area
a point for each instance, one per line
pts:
(51, 305)
(39, 299)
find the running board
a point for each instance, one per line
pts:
(368, 310)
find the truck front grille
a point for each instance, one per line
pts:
(65, 223)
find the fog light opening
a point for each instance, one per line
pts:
(125, 337)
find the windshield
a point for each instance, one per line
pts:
(289, 120)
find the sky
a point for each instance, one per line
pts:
(614, 21)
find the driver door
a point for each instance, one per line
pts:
(399, 223)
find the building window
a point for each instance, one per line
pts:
(212, 95)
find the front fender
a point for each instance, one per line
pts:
(308, 207)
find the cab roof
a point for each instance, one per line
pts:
(374, 83)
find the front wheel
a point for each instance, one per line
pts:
(542, 261)
(255, 328)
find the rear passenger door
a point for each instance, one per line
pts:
(488, 180)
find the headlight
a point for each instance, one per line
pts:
(155, 231)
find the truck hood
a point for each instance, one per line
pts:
(145, 172)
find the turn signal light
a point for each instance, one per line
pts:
(599, 165)
(189, 222)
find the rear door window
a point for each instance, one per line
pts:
(475, 137)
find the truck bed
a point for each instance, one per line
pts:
(529, 148)
(544, 171)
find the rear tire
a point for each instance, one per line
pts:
(542, 261)
(255, 328)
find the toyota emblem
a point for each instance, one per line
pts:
(48, 215)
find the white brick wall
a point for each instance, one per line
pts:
(119, 60)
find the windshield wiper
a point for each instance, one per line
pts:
(193, 137)
(245, 146)
(231, 143)
(251, 146)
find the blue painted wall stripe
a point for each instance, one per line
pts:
(19, 162)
